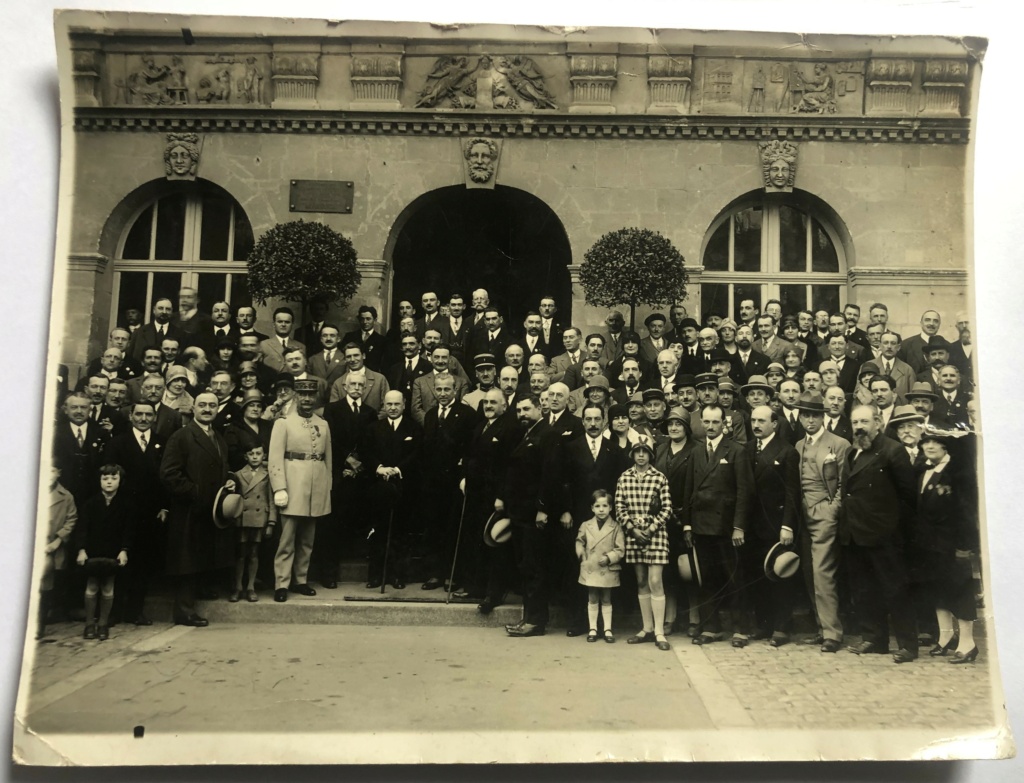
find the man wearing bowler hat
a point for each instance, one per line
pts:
(878, 497)
(821, 454)
(300, 478)
(774, 512)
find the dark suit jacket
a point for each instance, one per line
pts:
(860, 337)
(717, 492)
(848, 375)
(130, 368)
(445, 443)
(193, 329)
(318, 366)
(674, 466)
(486, 457)
(857, 353)
(568, 427)
(310, 337)
(168, 421)
(401, 380)
(532, 478)
(955, 412)
(456, 340)
(348, 431)
(582, 475)
(878, 494)
(229, 414)
(959, 359)
(79, 467)
(436, 323)
(240, 438)
(776, 501)
(912, 352)
(757, 364)
(393, 449)
(141, 482)
(479, 342)
(373, 346)
(789, 432)
(146, 337)
(843, 428)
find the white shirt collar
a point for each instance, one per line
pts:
(766, 441)
(716, 442)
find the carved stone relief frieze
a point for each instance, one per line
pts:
(481, 155)
(178, 80)
(778, 165)
(812, 92)
(85, 70)
(181, 155)
(889, 84)
(593, 77)
(668, 82)
(505, 83)
(295, 76)
(376, 80)
(944, 85)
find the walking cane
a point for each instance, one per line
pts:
(458, 538)
(387, 547)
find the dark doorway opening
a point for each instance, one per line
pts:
(504, 240)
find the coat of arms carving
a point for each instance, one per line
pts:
(507, 83)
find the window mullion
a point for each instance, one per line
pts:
(732, 242)
(193, 229)
(152, 230)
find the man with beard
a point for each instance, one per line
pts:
(878, 494)
(151, 335)
(481, 155)
(194, 468)
(750, 361)
(589, 463)
(533, 337)
(528, 491)
(821, 455)
(189, 319)
(299, 464)
(912, 349)
(482, 571)
(627, 382)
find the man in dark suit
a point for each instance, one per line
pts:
(455, 328)
(494, 339)
(953, 399)
(309, 333)
(217, 330)
(837, 328)
(329, 364)
(774, 512)
(447, 428)
(589, 463)
(222, 384)
(854, 334)
(274, 347)
(152, 362)
(349, 420)
(100, 412)
(372, 341)
(78, 446)
(614, 334)
(936, 354)
(431, 313)
(717, 492)
(485, 572)
(836, 421)
(245, 319)
(151, 335)
(748, 361)
(533, 337)
(676, 315)
(189, 319)
(564, 425)
(404, 373)
(788, 427)
(912, 351)
(168, 420)
(391, 458)
(550, 327)
(848, 366)
(924, 399)
(125, 366)
(194, 468)
(878, 313)
(879, 492)
(527, 494)
(961, 352)
(139, 452)
(250, 354)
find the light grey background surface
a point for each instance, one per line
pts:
(29, 148)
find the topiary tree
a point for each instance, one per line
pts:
(302, 262)
(633, 266)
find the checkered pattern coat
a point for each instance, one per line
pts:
(642, 499)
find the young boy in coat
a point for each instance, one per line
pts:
(600, 547)
(258, 518)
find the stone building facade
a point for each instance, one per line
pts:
(815, 171)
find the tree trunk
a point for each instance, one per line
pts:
(632, 317)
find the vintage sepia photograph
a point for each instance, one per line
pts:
(625, 375)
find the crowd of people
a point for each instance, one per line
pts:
(731, 465)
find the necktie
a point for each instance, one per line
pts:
(949, 397)
(711, 451)
(143, 441)
(284, 344)
(81, 437)
(792, 418)
(96, 411)
(913, 454)
(594, 447)
(408, 365)
(744, 356)
(831, 425)
(442, 414)
(760, 445)
(161, 330)
(553, 420)
(888, 368)
(394, 425)
(330, 356)
(221, 331)
(366, 336)
(355, 406)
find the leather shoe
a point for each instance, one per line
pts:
(329, 584)
(193, 620)
(527, 629)
(819, 639)
(280, 595)
(373, 584)
(967, 657)
(903, 655)
(704, 638)
(663, 644)
(512, 626)
(90, 631)
(431, 584)
(830, 645)
(486, 606)
(778, 640)
(398, 584)
(641, 638)
(739, 642)
(574, 632)
(142, 620)
(867, 648)
(303, 590)
(939, 649)
(102, 633)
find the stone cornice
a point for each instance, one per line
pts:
(902, 276)
(214, 119)
(87, 262)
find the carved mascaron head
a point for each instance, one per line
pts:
(181, 155)
(778, 164)
(481, 154)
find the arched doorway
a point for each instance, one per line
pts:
(505, 240)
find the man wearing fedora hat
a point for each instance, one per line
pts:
(936, 353)
(194, 469)
(774, 511)
(878, 496)
(717, 492)
(907, 427)
(820, 454)
(923, 399)
(300, 477)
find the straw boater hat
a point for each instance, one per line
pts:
(227, 507)
(781, 563)
(921, 389)
(757, 382)
(904, 413)
(497, 530)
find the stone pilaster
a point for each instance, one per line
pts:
(889, 83)
(593, 73)
(296, 75)
(376, 77)
(86, 55)
(944, 85)
(668, 82)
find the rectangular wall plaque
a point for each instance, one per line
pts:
(320, 195)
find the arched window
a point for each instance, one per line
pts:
(194, 235)
(773, 246)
